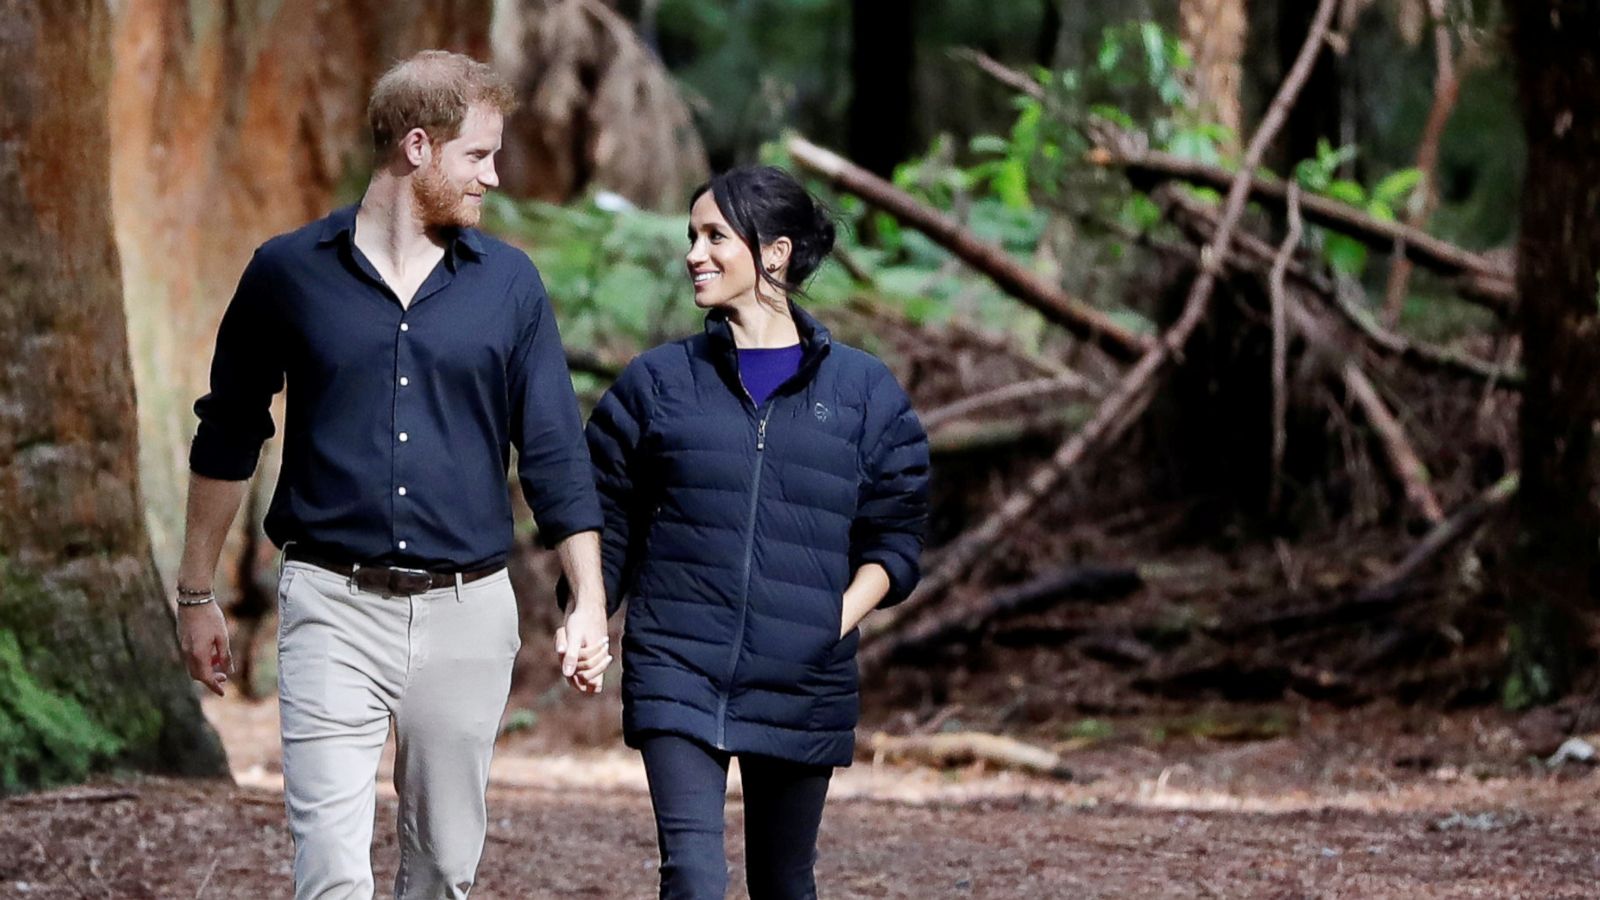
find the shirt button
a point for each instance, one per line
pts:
(404, 381)
(404, 327)
(404, 437)
(402, 490)
(402, 545)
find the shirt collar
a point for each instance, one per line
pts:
(341, 224)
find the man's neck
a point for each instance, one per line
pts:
(387, 226)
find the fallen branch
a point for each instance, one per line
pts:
(1479, 280)
(1200, 220)
(1078, 583)
(966, 747)
(1403, 460)
(1419, 354)
(81, 796)
(862, 306)
(1000, 72)
(1131, 395)
(1280, 348)
(1087, 323)
(1446, 91)
(1011, 393)
(1444, 535)
(973, 437)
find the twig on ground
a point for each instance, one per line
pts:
(965, 747)
(83, 796)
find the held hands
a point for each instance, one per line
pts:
(583, 646)
(203, 638)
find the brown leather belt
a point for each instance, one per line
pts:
(389, 581)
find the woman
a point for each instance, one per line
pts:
(764, 488)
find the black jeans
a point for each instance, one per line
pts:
(782, 811)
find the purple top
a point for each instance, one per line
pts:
(762, 369)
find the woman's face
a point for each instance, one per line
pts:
(719, 262)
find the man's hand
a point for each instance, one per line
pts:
(203, 637)
(583, 646)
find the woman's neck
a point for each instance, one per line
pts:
(763, 324)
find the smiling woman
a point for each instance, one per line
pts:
(764, 489)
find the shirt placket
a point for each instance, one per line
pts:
(405, 375)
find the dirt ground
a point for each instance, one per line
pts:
(1368, 804)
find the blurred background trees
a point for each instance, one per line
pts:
(1300, 512)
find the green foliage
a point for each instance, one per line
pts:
(46, 737)
(1320, 175)
(58, 717)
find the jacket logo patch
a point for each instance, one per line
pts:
(821, 411)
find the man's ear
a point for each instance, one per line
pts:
(416, 148)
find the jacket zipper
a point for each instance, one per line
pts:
(744, 599)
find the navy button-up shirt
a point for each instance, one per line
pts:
(399, 421)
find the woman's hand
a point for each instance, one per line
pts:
(583, 647)
(865, 592)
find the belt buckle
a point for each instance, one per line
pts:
(409, 581)
(391, 581)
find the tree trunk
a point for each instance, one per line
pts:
(882, 57)
(229, 126)
(1213, 32)
(1551, 567)
(89, 670)
(599, 110)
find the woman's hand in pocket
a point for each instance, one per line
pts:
(866, 591)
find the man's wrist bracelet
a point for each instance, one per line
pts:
(194, 592)
(184, 600)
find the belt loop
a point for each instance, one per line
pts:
(354, 568)
(459, 583)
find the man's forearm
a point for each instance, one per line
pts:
(212, 506)
(580, 561)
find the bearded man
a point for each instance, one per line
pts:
(415, 351)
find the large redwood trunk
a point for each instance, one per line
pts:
(89, 670)
(232, 122)
(1552, 560)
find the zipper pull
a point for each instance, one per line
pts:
(761, 435)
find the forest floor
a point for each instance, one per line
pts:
(1374, 802)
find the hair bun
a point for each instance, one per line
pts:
(825, 232)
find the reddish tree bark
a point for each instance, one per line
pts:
(89, 670)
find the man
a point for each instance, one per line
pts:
(415, 351)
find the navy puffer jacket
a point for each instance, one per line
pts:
(734, 530)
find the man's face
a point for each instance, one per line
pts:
(449, 190)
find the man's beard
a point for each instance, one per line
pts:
(440, 204)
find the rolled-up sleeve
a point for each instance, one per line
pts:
(246, 370)
(547, 429)
(893, 512)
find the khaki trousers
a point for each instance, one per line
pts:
(350, 662)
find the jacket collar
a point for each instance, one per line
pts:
(815, 343)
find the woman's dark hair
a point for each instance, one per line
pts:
(764, 203)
